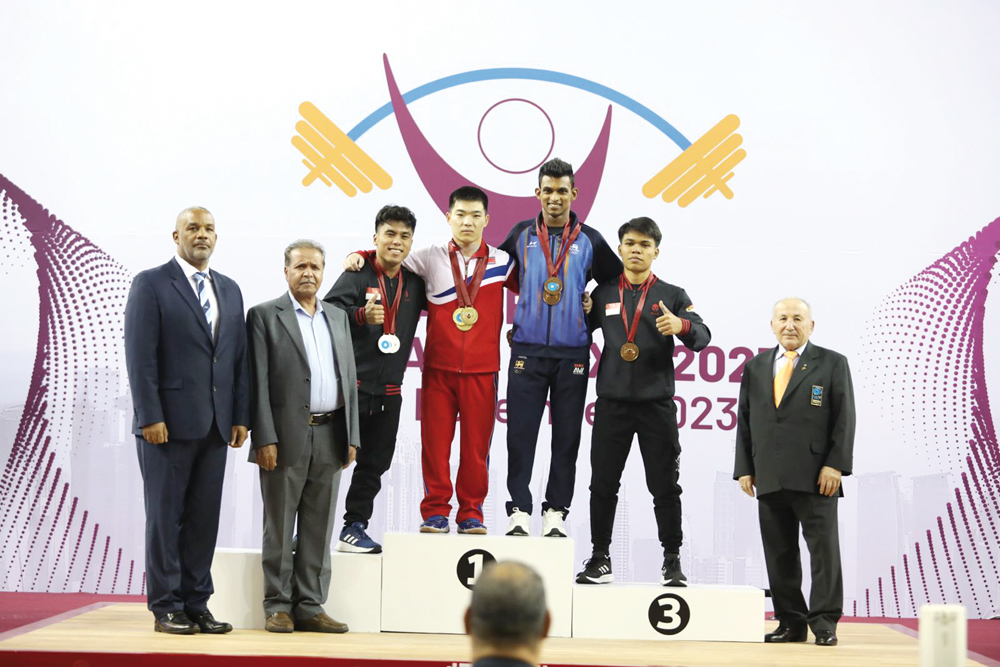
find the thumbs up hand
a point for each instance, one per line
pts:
(374, 312)
(667, 323)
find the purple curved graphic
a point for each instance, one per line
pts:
(924, 357)
(70, 428)
(440, 179)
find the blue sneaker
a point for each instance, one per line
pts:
(472, 527)
(354, 540)
(435, 524)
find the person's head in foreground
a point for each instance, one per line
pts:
(508, 617)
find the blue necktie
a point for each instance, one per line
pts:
(200, 278)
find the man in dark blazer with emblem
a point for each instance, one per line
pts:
(304, 425)
(794, 442)
(185, 350)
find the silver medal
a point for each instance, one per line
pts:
(388, 344)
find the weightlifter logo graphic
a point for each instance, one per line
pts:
(335, 158)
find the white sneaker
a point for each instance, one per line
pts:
(553, 524)
(518, 523)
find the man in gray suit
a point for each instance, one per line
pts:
(304, 429)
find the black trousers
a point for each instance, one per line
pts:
(379, 422)
(616, 423)
(530, 381)
(182, 488)
(781, 513)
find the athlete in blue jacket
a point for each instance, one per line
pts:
(550, 359)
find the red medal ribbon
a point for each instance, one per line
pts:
(567, 240)
(389, 323)
(631, 331)
(466, 293)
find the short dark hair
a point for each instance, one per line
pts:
(469, 193)
(644, 226)
(393, 213)
(508, 606)
(556, 168)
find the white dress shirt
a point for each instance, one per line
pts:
(213, 300)
(325, 394)
(780, 359)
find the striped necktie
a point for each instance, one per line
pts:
(783, 376)
(201, 279)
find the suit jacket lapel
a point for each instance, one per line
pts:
(288, 318)
(803, 366)
(183, 287)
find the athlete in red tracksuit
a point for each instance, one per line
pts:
(461, 362)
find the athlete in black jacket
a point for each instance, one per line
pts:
(635, 389)
(383, 302)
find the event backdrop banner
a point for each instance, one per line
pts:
(844, 153)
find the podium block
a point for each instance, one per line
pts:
(427, 579)
(355, 589)
(648, 611)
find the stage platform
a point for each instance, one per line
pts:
(121, 634)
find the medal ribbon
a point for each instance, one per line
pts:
(389, 322)
(466, 293)
(630, 332)
(542, 230)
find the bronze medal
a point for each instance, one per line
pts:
(552, 291)
(552, 288)
(630, 351)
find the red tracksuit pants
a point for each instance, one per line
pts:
(472, 398)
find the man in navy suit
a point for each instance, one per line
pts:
(186, 353)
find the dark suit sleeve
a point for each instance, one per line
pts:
(261, 418)
(241, 374)
(698, 335)
(346, 294)
(142, 339)
(842, 419)
(744, 442)
(606, 265)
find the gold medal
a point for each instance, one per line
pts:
(552, 291)
(460, 323)
(469, 315)
(630, 351)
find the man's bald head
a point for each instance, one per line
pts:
(792, 301)
(508, 610)
(186, 214)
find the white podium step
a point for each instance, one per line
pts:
(648, 611)
(427, 578)
(355, 585)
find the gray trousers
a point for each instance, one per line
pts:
(299, 583)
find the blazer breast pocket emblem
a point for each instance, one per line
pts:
(816, 397)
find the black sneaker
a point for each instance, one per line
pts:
(671, 574)
(596, 570)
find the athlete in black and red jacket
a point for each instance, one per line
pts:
(639, 315)
(381, 362)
